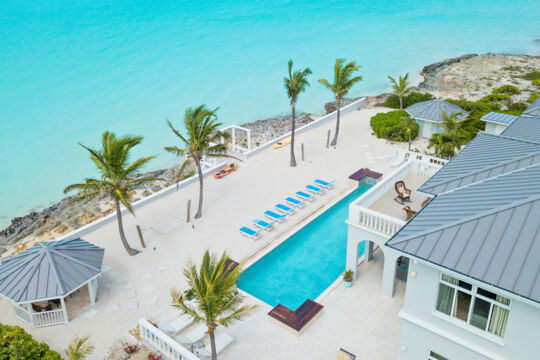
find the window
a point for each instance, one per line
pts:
(434, 356)
(478, 307)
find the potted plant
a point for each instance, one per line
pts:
(189, 294)
(347, 278)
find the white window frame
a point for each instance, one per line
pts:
(474, 294)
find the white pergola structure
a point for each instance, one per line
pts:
(235, 146)
(38, 280)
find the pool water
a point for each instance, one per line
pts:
(305, 264)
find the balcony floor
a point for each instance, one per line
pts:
(388, 206)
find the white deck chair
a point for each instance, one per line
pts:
(222, 341)
(194, 335)
(176, 325)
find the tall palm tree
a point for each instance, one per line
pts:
(449, 123)
(451, 140)
(213, 286)
(202, 140)
(295, 84)
(117, 178)
(407, 123)
(79, 348)
(401, 87)
(343, 82)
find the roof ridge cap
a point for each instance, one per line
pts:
(463, 220)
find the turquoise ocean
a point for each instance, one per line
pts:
(71, 69)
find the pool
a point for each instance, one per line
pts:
(305, 264)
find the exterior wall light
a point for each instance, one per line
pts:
(413, 273)
(403, 347)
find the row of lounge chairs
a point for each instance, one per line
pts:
(193, 336)
(281, 211)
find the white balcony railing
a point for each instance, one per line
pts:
(48, 318)
(161, 343)
(382, 223)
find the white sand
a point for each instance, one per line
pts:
(140, 286)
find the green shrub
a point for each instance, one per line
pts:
(506, 89)
(511, 68)
(495, 98)
(15, 343)
(388, 126)
(536, 82)
(533, 75)
(392, 101)
(533, 97)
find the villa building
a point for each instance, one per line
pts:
(496, 122)
(428, 115)
(470, 252)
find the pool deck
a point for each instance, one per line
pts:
(359, 319)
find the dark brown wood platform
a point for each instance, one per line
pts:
(296, 319)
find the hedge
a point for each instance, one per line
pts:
(387, 126)
(15, 344)
(392, 101)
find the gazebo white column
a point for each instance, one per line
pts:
(64, 310)
(92, 291)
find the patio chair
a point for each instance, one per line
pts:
(315, 190)
(192, 336)
(274, 216)
(176, 325)
(425, 202)
(305, 196)
(263, 225)
(403, 194)
(410, 212)
(285, 209)
(294, 202)
(222, 341)
(324, 184)
(249, 233)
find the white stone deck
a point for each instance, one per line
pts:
(359, 319)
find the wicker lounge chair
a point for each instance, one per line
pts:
(410, 212)
(403, 194)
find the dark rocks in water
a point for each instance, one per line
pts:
(332, 105)
(433, 67)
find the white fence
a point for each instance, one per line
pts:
(48, 318)
(162, 344)
(379, 222)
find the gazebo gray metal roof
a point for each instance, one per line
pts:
(49, 270)
(431, 110)
(500, 118)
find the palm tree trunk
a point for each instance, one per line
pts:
(213, 345)
(400, 102)
(338, 103)
(409, 131)
(293, 160)
(199, 209)
(128, 248)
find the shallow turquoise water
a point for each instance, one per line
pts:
(305, 264)
(71, 69)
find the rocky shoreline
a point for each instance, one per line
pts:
(470, 76)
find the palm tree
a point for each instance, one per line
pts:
(117, 178)
(213, 286)
(202, 140)
(407, 123)
(343, 82)
(451, 140)
(401, 87)
(295, 84)
(79, 348)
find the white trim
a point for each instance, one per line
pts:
(449, 336)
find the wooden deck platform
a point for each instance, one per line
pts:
(296, 319)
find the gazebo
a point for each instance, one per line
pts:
(38, 280)
(428, 115)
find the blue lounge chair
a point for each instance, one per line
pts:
(314, 189)
(294, 202)
(305, 196)
(285, 209)
(250, 233)
(274, 216)
(324, 184)
(263, 225)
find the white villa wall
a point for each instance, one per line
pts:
(427, 128)
(495, 128)
(424, 330)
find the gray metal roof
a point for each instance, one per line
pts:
(498, 247)
(484, 152)
(525, 127)
(49, 270)
(533, 109)
(499, 118)
(431, 110)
